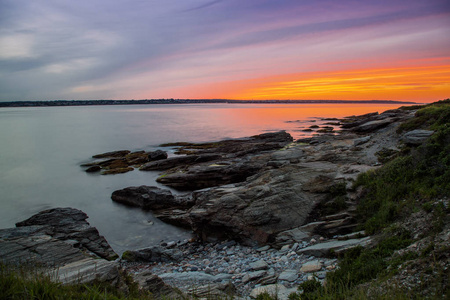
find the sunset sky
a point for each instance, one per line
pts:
(252, 49)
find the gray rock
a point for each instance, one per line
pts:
(292, 236)
(71, 224)
(251, 276)
(373, 125)
(362, 140)
(157, 155)
(270, 202)
(323, 249)
(416, 137)
(311, 266)
(67, 247)
(40, 248)
(285, 248)
(156, 286)
(150, 197)
(288, 275)
(87, 270)
(259, 265)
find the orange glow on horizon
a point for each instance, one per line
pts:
(418, 83)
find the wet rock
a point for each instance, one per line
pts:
(117, 170)
(157, 155)
(149, 197)
(120, 153)
(93, 169)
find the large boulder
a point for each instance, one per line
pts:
(256, 211)
(67, 248)
(69, 224)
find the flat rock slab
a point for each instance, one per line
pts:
(288, 275)
(251, 276)
(416, 137)
(69, 224)
(311, 266)
(42, 249)
(87, 270)
(277, 291)
(259, 265)
(323, 249)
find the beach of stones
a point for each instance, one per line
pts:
(245, 267)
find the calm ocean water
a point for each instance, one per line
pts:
(41, 150)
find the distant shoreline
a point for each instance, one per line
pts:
(187, 101)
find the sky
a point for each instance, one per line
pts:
(230, 49)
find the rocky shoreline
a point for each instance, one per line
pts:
(267, 211)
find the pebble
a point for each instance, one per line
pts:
(245, 267)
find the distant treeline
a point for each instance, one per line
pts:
(180, 101)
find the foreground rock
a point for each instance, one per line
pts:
(121, 161)
(70, 225)
(61, 241)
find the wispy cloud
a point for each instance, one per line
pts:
(129, 49)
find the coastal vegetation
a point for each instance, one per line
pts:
(31, 282)
(416, 181)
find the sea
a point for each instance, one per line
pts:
(42, 148)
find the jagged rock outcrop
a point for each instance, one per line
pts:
(257, 196)
(70, 225)
(62, 242)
